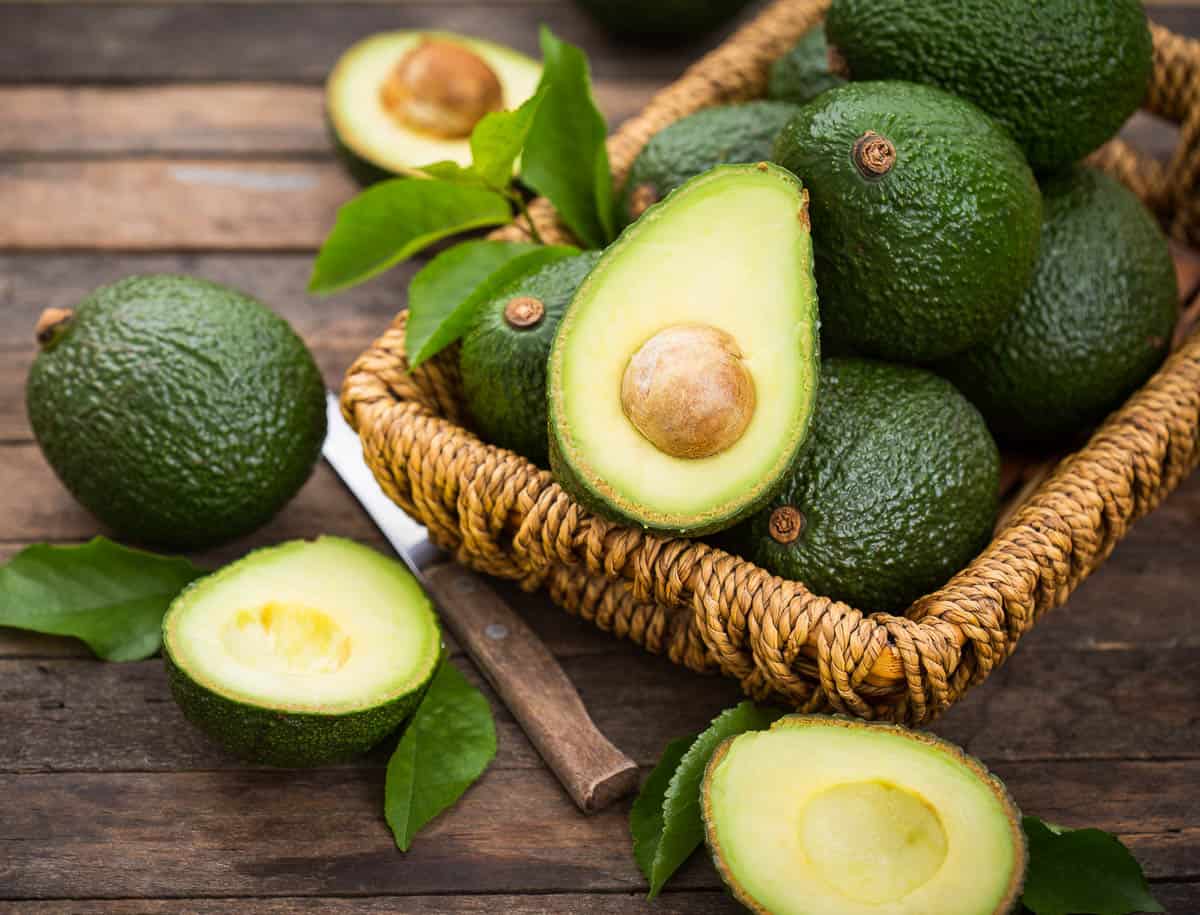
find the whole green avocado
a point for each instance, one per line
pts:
(505, 351)
(1061, 75)
(179, 412)
(925, 218)
(1095, 323)
(725, 134)
(896, 489)
(805, 71)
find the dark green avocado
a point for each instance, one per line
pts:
(179, 412)
(1094, 325)
(925, 218)
(1061, 75)
(726, 134)
(504, 354)
(805, 71)
(658, 20)
(896, 489)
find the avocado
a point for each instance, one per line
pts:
(683, 374)
(179, 412)
(831, 816)
(399, 100)
(694, 144)
(1061, 75)
(805, 71)
(897, 488)
(925, 218)
(301, 654)
(1095, 323)
(658, 20)
(504, 354)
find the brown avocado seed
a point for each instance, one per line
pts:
(442, 88)
(874, 155)
(688, 391)
(52, 324)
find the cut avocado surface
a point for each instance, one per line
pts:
(925, 218)
(828, 816)
(302, 653)
(683, 374)
(400, 100)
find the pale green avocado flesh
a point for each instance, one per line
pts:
(302, 653)
(374, 143)
(828, 816)
(729, 251)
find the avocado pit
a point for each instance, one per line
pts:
(688, 391)
(441, 88)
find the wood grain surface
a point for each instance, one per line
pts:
(188, 137)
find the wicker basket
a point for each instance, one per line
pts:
(713, 611)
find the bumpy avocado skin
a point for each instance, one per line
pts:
(803, 73)
(178, 411)
(1061, 75)
(661, 19)
(927, 259)
(727, 134)
(898, 484)
(504, 368)
(1093, 326)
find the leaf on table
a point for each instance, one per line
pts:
(109, 596)
(395, 219)
(497, 140)
(1084, 871)
(565, 157)
(664, 841)
(445, 296)
(445, 748)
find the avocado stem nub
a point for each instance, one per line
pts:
(524, 311)
(874, 155)
(786, 524)
(51, 325)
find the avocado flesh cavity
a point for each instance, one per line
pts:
(373, 141)
(826, 816)
(729, 251)
(302, 653)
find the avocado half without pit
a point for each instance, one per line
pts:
(828, 816)
(683, 374)
(400, 100)
(303, 653)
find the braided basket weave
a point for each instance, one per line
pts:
(713, 611)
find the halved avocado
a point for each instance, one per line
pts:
(302, 653)
(399, 100)
(683, 374)
(829, 816)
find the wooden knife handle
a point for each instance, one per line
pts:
(533, 686)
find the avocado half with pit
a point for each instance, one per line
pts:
(828, 816)
(399, 100)
(683, 375)
(303, 653)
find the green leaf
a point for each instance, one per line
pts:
(448, 170)
(565, 158)
(445, 296)
(449, 743)
(111, 597)
(662, 843)
(395, 219)
(497, 140)
(1082, 872)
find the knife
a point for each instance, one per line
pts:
(509, 654)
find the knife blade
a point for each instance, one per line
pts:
(512, 658)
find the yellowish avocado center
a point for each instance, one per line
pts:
(442, 88)
(286, 638)
(688, 391)
(872, 841)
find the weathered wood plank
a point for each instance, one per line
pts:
(244, 119)
(124, 835)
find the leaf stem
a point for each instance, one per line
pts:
(519, 199)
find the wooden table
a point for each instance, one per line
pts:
(186, 138)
